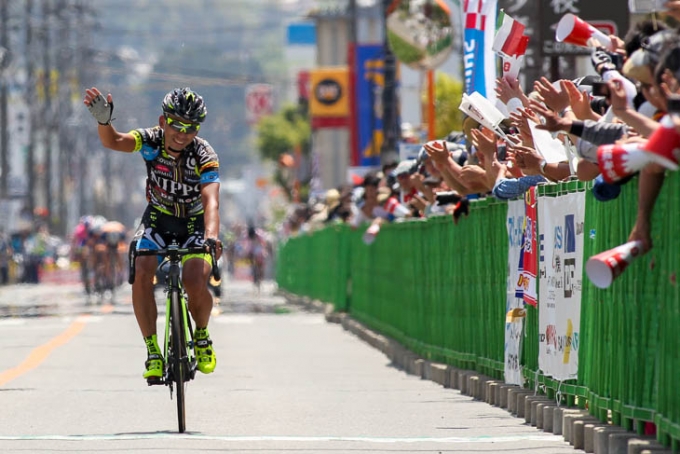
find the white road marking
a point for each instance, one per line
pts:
(477, 439)
(12, 322)
(234, 319)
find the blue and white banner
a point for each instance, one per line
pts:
(478, 59)
(514, 305)
(560, 267)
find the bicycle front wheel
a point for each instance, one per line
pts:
(179, 367)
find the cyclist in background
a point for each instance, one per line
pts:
(80, 251)
(182, 190)
(257, 253)
(114, 236)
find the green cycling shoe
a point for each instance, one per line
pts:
(154, 367)
(154, 360)
(205, 353)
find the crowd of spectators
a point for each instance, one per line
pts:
(613, 110)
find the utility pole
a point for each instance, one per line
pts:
(390, 127)
(31, 103)
(64, 62)
(4, 141)
(79, 59)
(47, 108)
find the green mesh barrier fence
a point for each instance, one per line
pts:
(439, 289)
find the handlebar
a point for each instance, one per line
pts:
(174, 253)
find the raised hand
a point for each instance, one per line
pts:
(100, 108)
(521, 120)
(506, 89)
(485, 142)
(437, 150)
(552, 121)
(579, 101)
(528, 159)
(617, 96)
(556, 100)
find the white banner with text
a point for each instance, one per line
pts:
(560, 238)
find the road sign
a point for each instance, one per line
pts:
(259, 101)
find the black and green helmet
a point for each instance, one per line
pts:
(185, 103)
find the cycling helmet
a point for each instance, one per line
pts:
(185, 103)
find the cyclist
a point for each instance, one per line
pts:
(80, 250)
(182, 190)
(257, 253)
(114, 235)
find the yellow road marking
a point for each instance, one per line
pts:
(39, 354)
(107, 309)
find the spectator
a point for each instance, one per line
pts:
(6, 254)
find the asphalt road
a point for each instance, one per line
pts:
(286, 381)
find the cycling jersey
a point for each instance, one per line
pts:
(173, 186)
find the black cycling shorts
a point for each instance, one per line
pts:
(158, 229)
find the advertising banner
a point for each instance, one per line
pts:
(329, 95)
(560, 266)
(370, 73)
(529, 252)
(514, 306)
(478, 58)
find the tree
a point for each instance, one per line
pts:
(448, 93)
(283, 132)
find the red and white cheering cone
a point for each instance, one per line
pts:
(606, 266)
(663, 144)
(572, 29)
(619, 161)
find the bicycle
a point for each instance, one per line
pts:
(178, 345)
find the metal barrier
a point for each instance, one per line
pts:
(440, 289)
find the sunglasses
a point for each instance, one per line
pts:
(180, 126)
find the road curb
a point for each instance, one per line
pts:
(576, 425)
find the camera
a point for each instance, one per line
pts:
(600, 89)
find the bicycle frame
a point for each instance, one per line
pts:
(178, 349)
(175, 296)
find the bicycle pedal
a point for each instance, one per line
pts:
(151, 381)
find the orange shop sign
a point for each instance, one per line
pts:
(329, 92)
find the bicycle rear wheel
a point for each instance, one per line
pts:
(180, 370)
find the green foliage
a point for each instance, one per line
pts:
(283, 132)
(405, 52)
(448, 93)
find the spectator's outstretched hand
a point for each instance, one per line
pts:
(617, 96)
(521, 121)
(556, 100)
(437, 150)
(641, 232)
(474, 177)
(618, 45)
(506, 89)
(673, 9)
(512, 165)
(552, 121)
(485, 142)
(528, 159)
(579, 101)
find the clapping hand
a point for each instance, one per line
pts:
(507, 89)
(437, 150)
(579, 101)
(552, 121)
(556, 100)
